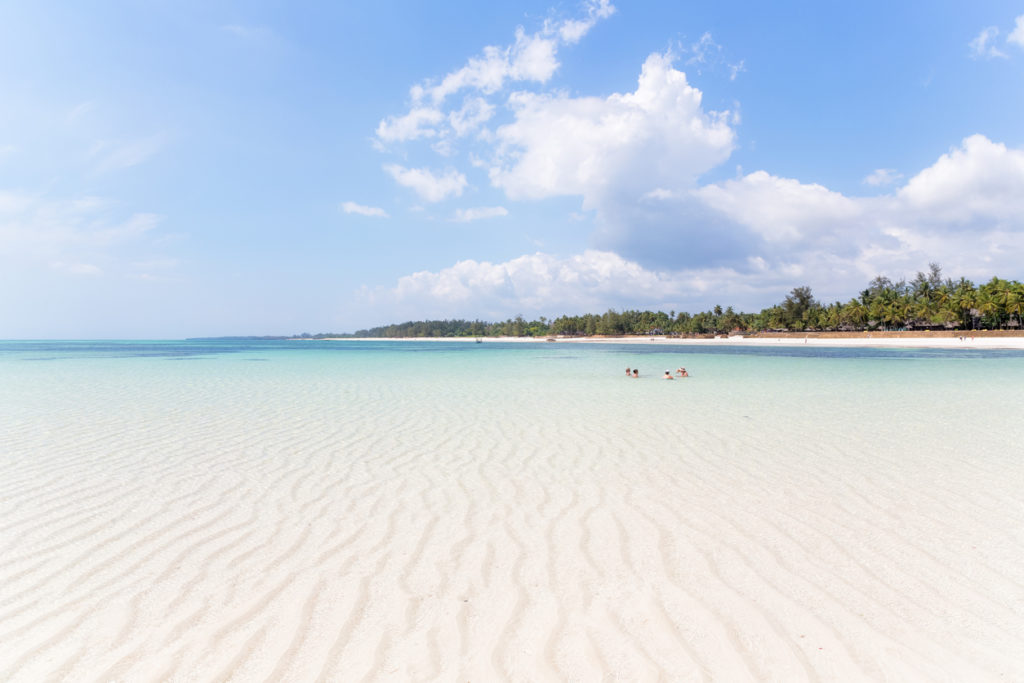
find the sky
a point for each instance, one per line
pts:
(174, 169)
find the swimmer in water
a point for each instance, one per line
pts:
(668, 375)
(682, 372)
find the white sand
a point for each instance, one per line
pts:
(182, 534)
(967, 342)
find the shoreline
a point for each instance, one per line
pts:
(874, 340)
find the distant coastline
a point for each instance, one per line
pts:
(987, 339)
(925, 305)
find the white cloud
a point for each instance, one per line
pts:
(427, 185)
(636, 159)
(571, 31)
(659, 194)
(656, 136)
(1017, 35)
(531, 57)
(475, 112)
(479, 213)
(593, 281)
(536, 282)
(706, 54)
(704, 50)
(882, 176)
(416, 124)
(978, 184)
(486, 73)
(776, 208)
(965, 211)
(359, 209)
(982, 45)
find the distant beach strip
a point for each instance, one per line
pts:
(977, 340)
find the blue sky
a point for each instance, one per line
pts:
(173, 169)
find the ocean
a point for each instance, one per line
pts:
(340, 510)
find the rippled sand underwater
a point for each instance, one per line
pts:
(347, 511)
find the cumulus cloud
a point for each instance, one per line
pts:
(972, 195)
(978, 184)
(748, 240)
(657, 136)
(530, 58)
(536, 282)
(778, 209)
(416, 124)
(479, 213)
(1017, 35)
(426, 184)
(592, 281)
(983, 44)
(474, 112)
(882, 176)
(636, 161)
(572, 30)
(359, 209)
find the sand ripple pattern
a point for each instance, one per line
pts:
(249, 524)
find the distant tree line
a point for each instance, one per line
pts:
(928, 302)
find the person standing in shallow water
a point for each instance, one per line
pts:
(628, 373)
(668, 375)
(636, 374)
(682, 372)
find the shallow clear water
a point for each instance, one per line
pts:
(911, 399)
(168, 504)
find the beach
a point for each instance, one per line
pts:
(372, 510)
(979, 340)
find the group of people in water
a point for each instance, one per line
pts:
(635, 374)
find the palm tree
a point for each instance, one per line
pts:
(855, 313)
(924, 311)
(1014, 302)
(988, 306)
(1006, 294)
(965, 300)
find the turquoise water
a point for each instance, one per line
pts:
(512, 510)
(883, 396)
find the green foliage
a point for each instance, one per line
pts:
(926, 302)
